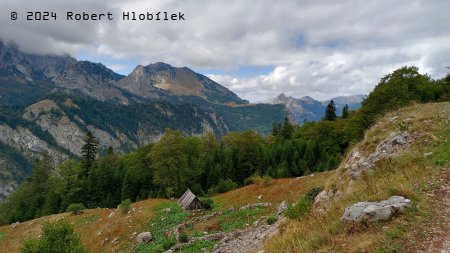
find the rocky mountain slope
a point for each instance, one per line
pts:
(48, 103)
(387, 195)
(308, 109)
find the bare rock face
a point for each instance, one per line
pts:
(396, 142)
(376, 211)
(144, 237)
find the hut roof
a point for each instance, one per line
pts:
(187, 199)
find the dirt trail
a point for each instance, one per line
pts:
(435, 236)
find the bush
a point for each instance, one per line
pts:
(75, 207)
(207, 203)
(183, 238)
(224, 186)
(311, 195)
(57, 237)
(263, 181)
(168, 243)
(271, 219)
(125, 206)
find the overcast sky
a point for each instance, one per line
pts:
(258, 49)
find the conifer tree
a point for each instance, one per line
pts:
(330, 111)
(88, 152)
(345, 111)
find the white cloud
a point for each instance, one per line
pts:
(318, 48)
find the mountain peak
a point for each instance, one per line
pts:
(281, 96)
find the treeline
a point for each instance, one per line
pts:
(209, 165)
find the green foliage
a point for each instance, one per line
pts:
(2, 236)
(198, 247)
(125, 206)
(168, 215)
(271, 219)
(295, 211)
(183, 238)
(330, 111)
(233, 220)
(311, 194)
(224, 186)
(204, 163)
(89, 152)
(75, 207)
(169, 242)
(345, 112)
(261, 180)
(57, 237)
(174, 163)
(207, 203)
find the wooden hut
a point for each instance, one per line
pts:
(189, 201)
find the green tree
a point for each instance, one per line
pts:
(345, 111)
(171, 157)
(330, 111)
(88, 152)
(57, 237)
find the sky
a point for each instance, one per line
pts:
(257, 49)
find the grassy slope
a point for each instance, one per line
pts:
(410, 174)
(94, 225)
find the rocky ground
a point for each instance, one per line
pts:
(433, 236)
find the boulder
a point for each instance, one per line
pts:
(144, 237)
(376, 211)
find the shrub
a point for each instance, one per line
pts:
(57, 237)
(262, 181)
(183, 238)
(75, 207)
(169, 242)
(271, 219)
(311, 195)
(125, 206)
(207, 203)
(224, 186)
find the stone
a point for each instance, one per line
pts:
(282, 207)
(376, 211)
(15, 224)
(144, 237)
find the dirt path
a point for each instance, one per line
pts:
(434, 237)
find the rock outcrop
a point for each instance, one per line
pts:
(376, 211)
(144, 237)
(357, 163)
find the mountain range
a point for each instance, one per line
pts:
(305, 109)
(48, 103)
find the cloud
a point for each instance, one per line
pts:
(318, 48)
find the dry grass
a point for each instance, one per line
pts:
(288, 189)
(93, 226)
(408, 174)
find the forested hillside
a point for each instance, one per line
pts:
(208, 164)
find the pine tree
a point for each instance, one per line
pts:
(88, 152)
(330, 112)
(345, 111)
(287, 129)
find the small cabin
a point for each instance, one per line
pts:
(189, 201)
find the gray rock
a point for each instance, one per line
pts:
(144, 237)
(282, 207)
(376, 211)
